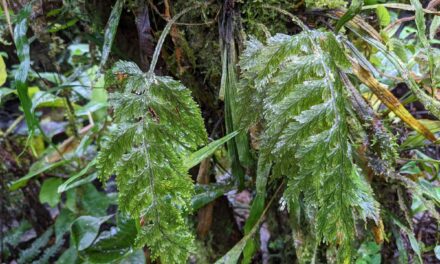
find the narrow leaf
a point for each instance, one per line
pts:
(234, 254)
(353, 10)
(3, 73)
(36, 169)
(203, 198)
(415, 140)
(257, 207)
(70, 183)
(196, 157)
(110, 31)
(435, 24)
(401, 7)
(412, 239)
(431, 104)
(421, 33)
(22, 46)
(391, 101)
(359, 23)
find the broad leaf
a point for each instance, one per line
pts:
(48, 191)
(84, 230)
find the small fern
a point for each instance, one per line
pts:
(302, 102)
(27, 255)
(156, 122)
(50, 252)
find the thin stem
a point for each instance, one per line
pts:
(164, 34)
(287, 13)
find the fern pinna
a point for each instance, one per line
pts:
(156, 122)
(295, 82)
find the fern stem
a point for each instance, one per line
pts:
(287, 13)
(165, 32)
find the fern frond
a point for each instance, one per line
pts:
(305, 111)
(34, 250)
(50, 252)
(156, 122)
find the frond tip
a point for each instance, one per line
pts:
(156, 123)
(305, 111)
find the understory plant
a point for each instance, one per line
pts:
(312, 131)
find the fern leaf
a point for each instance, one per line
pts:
(35, 249)
(50, 252)
(156, 123)
(305, 111)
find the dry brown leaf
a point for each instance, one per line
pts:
(378, 232)
(386, 97)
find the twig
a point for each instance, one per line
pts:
(13, 125)
(8, 18)
(207, 23)
(429, 9)
(399, 21)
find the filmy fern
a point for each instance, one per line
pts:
(294, 82)
(156, 122)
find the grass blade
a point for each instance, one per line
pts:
(70, 183)
(195, 158)
(36, 169)
(353, 10)
(22, 46)
(213, 192)
(110, 31)
(257, 208)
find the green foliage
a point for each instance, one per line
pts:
(35, 249)
(263, 171)
(22, 45)
(304, 107)
(110, 30)
(196, 157)
(113, 244)
(36, 169)
(85, 229)
(297, 94)
(354, 9)
(368, 252)
(12, 237)
(383, 15)
(325, 3)
(49, 252)
(156, 123)
(48, 191)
